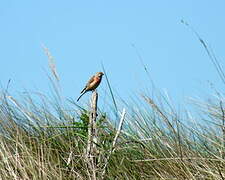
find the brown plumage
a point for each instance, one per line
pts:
(92, 84)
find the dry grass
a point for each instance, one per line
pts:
(154, 144)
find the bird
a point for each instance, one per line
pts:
(92, 84)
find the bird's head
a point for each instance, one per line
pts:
(99, 74)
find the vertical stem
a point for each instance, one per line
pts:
(92, 138)
(94, 120)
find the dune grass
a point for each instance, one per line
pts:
(156, 142)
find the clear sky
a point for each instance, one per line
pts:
(83, 34)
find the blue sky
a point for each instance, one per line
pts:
(83, 34)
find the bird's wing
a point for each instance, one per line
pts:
(90, 80)
(88, 84)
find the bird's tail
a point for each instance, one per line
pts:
(83, 90)
(82, 93)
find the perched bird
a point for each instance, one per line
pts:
(92, 84)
